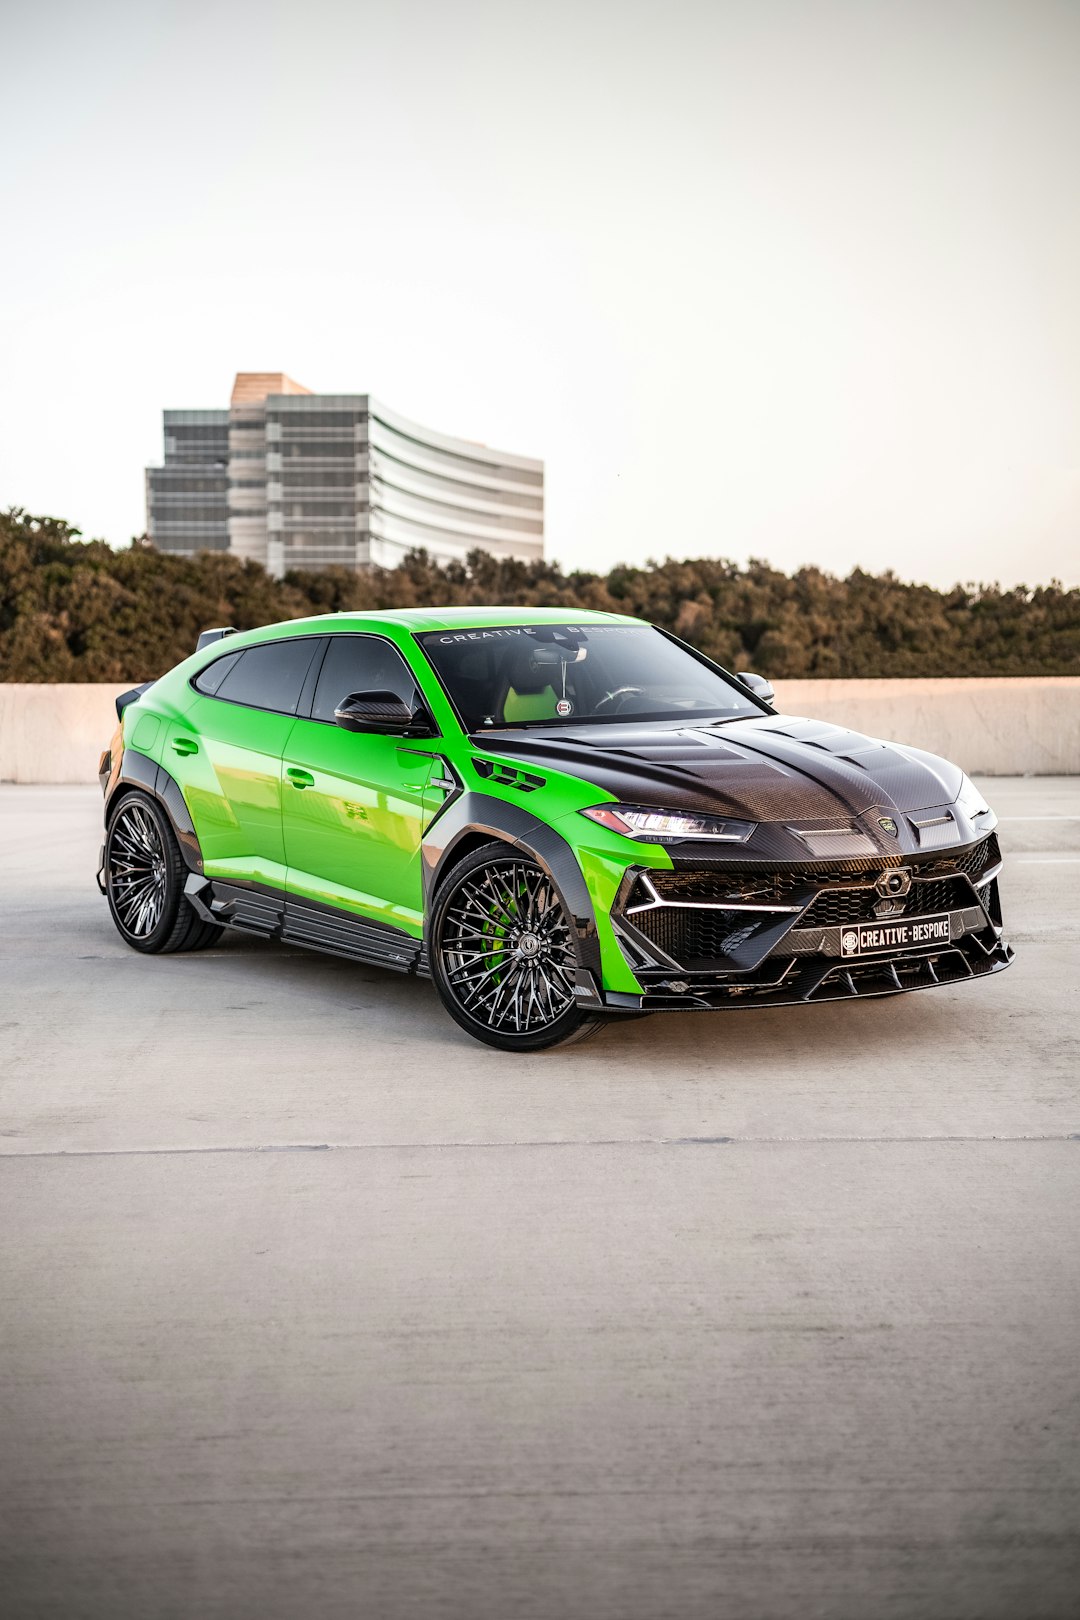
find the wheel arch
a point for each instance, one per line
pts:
(475, 819)
(470, 839)
(140, 774)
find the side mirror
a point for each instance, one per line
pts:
(760, 687)
(381, 712)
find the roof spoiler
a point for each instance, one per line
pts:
(131, 696)
(210, 636)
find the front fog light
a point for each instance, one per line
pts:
(666, 826)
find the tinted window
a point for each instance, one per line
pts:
(361, 664)
(209, 679)
(270, 676)
(565, 674)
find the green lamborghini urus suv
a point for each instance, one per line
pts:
(559, 818)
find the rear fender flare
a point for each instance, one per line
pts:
(137, 771)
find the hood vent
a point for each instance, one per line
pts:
(935, 830)
(841, 842)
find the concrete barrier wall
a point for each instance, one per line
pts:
(55, 733)
(991, 727)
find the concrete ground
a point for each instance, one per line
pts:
(311, 1306)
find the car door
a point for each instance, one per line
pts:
(226, 755)
(355, 805)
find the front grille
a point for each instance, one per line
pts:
(742, 882)
(788, 885)
(834, 893)
(841, 906)
(940, 894)
(972, 861)
(697, 939)
(834, 906)
(748, 885)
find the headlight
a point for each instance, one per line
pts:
(665, 826)
(975, 807)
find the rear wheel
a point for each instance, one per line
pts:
(144, 882)
(503, 956)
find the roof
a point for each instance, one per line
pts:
(253, 387)
(475, 618)
(449, 618)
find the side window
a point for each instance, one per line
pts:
(361, 664)
(270, 676)
(209, 679)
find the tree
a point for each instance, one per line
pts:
(78, 610)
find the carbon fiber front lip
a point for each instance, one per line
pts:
(826, 941)
(787, 980)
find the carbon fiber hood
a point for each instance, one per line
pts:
(772, 769)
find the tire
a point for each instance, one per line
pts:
(144, 882)
(503, 956)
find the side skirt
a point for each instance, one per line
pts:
(274, 915)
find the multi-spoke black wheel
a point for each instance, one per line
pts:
(137, 874)
(503, 953)
(144, 881)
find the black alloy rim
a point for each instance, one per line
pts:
(137, 873)
(506, 949)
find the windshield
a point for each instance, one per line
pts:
(522, 675)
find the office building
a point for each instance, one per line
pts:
(293, 479)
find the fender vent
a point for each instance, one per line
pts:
(508, 775)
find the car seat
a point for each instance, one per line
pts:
(529, 694)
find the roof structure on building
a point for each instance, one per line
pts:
(254, 387)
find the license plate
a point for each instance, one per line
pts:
(862, 939)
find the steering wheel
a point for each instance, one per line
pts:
(619, 692)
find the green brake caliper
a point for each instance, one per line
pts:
(502, 914)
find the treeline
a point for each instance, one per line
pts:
(75, 610)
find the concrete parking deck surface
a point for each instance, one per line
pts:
(311, 1306)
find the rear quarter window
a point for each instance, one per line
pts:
(270, 676)
(209, 679)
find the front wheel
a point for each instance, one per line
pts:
(502, 953)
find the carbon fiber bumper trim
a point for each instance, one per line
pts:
(789, 980)
(826, 941)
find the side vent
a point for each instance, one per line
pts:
(508, 775)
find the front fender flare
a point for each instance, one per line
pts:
(480, 814)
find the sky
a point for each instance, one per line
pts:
(795, 281)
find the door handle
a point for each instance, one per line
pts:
(300, 779)
(185, 745)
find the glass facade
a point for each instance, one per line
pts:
(187, 500)
(315, 490)
(299, 480)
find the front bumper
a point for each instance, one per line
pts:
(733, 933)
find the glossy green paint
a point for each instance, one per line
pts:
(339, 817)
(355, 808)
(232, 785)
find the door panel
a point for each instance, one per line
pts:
(226, 754)
(352, 834)
(227, 760)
